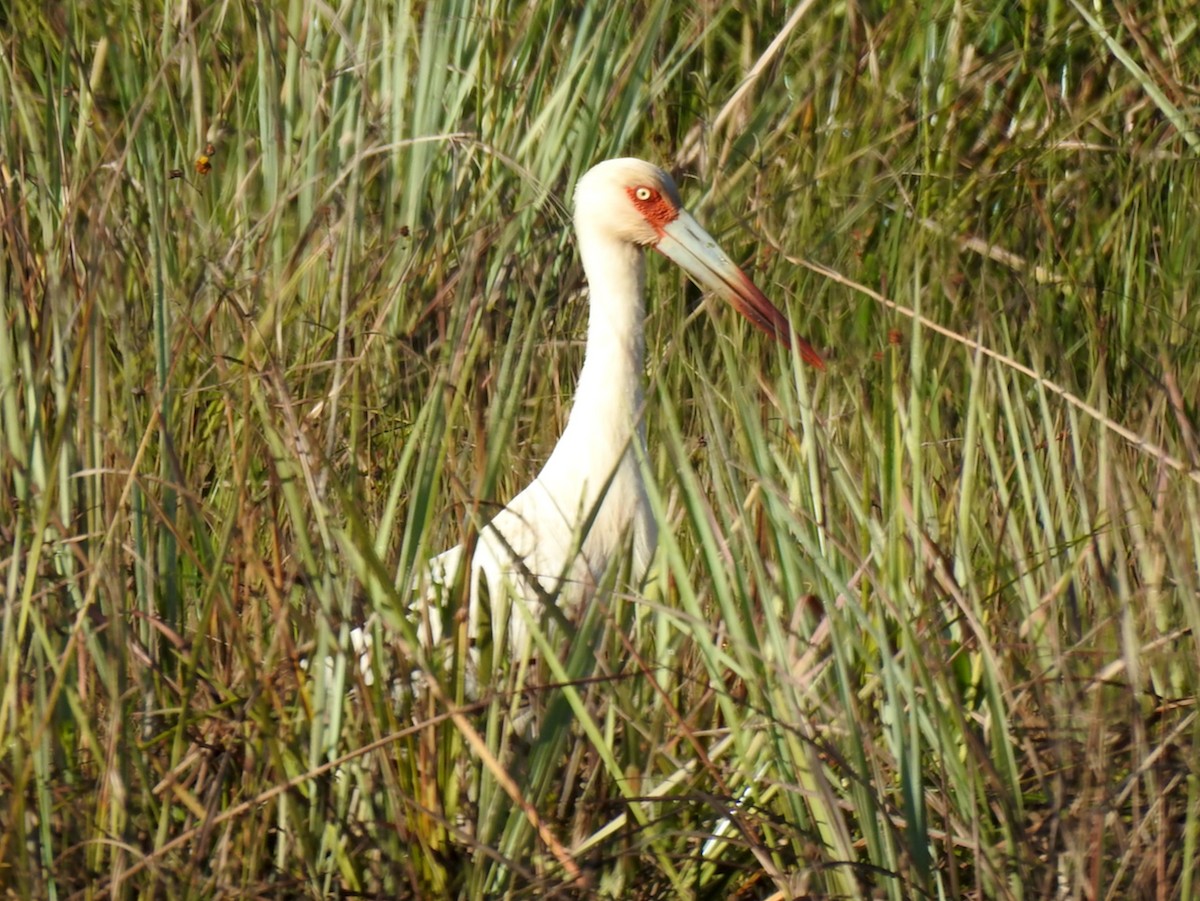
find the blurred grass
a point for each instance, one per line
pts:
(290, 301)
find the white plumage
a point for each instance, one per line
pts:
(556, 538)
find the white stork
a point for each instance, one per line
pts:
(556, 538)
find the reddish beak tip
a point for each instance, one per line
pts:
(809, 354)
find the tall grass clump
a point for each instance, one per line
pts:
(290, 303)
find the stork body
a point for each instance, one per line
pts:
(556, 538)
(588, 500)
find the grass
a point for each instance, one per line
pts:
(290, 303)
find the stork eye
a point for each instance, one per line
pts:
(643, 193)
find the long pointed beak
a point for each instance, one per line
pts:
(698, 254)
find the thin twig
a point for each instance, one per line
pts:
(1139, 443)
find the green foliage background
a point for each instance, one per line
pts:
(290, 302)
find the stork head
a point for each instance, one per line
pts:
(629, 198)
(632, 201)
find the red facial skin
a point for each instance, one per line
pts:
(660, 211)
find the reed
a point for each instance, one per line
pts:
(290, 303)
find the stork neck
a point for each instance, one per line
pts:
(608, 399)
(612, 365)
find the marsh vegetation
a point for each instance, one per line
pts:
(290, 302)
